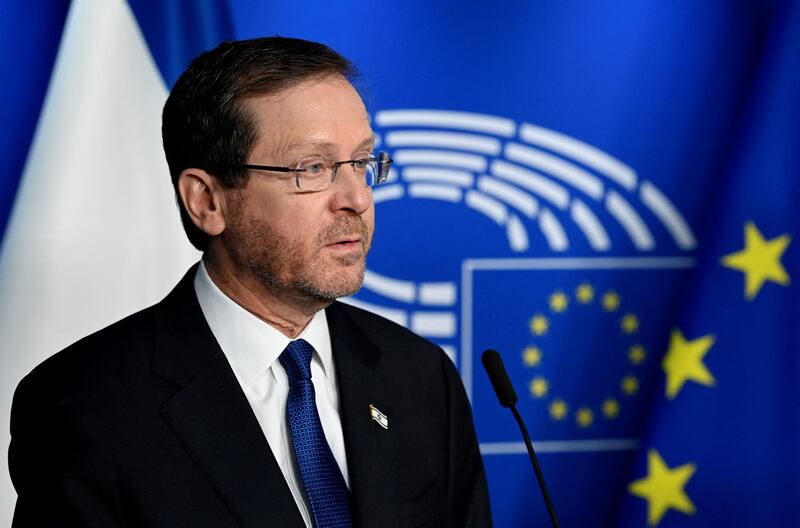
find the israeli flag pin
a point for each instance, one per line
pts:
(378, 417)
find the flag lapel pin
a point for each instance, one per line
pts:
(378, 417)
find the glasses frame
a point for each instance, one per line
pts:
(382, 158)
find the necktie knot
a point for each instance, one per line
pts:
(296, 360)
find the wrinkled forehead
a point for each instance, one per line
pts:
(326, 113)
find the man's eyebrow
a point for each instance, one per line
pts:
(368, 143)
(323, 146)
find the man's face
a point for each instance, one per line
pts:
(304, 246)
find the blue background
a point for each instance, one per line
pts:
(700, 98)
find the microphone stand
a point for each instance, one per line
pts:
(507, 397)
(535, 461)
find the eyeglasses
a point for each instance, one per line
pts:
(317, 174)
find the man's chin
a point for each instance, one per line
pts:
(345, 282)
(347, 259)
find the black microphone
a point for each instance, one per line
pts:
(493, 364)
(507, 396)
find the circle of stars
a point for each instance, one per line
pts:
(559, 302)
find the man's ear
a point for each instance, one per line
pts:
(202, 197)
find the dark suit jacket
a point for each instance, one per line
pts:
(144, 424)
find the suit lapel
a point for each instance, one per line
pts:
(368, 445)
(212, 418)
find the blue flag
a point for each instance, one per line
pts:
(720, 441)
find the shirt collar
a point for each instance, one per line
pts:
(250, 344)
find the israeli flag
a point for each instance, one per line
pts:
(94, 232)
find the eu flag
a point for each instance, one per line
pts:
(720, 442)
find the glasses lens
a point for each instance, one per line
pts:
(314, 174)
(367, 169)
(382, 164)
(371, 173)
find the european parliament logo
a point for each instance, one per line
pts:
(540, 189)
(512, 236)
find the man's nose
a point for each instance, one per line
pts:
(351, 191)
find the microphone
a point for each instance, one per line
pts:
(507, 396)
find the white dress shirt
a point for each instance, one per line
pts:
(252, 347)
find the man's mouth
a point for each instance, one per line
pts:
(346, 243)
(347, 236)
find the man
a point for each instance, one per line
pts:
(248, 397)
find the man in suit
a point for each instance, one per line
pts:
(248, 396)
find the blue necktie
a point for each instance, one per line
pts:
(326, 490)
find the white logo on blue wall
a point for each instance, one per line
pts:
(545, 192)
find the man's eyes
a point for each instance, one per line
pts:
(316, 167)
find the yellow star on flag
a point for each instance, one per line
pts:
(629, 323)
(585, 293)
(538, 387)
(558, 409)
(558, 302)
(636, 354)
(611, 408)
(584, 417)
(662, 488)
(539, 325)
(760, 260)
(532, 356)
(630, 385)
(611, 301)
(684, 362)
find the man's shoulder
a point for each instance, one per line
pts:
(379, 328)
(126, 341)
(400, 350)
(129, 330)
(122, 346)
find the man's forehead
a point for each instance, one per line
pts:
(328, 97)
(324, 114)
